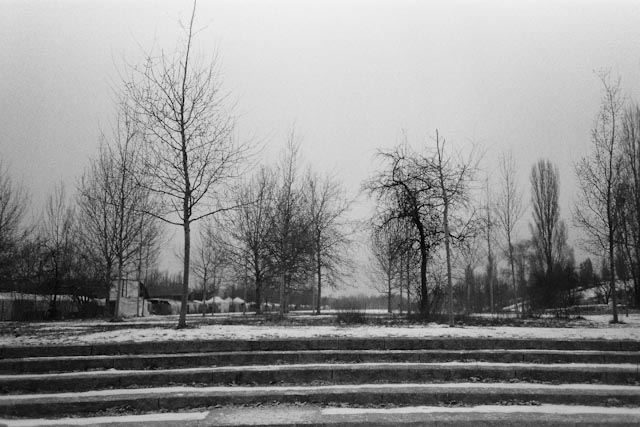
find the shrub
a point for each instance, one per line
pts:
(351, 317)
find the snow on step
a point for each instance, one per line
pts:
(176, 390)
(288, 415)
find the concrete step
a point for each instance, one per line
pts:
(187, 360)
(310, 415)
(323, 343)
(331, 373)
(368, 395)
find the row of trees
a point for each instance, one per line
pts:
(173, 158)
(422, 204)
(416, 207)
(61, 251)
(609, 206)
(287, 233)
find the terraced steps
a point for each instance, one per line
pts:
(332, 373)
(320, 343)
(237, 358)
(174, 398)
(369, 373)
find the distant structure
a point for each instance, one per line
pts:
(133, 298)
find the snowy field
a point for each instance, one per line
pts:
(161, 328)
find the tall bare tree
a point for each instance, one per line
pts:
(57, 231)
(552, 256)
(491, 262)
(190, 150)
(114, 207)
(546, 212)
(290, 242)
(509, 210)
(410, 190)
(249, 229)
(405, 193)
(599, 175)
(14, 201)
(328, 206)
(630, 220)
(453, 175)
(470, 253)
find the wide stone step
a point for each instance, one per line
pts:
(369, 395)
(332, 373)
(185, 360)
(315, 415)
(323, 343)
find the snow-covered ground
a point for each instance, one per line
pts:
(160, 329)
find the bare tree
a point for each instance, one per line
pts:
(58, 241)
(249, 229)
(453, 176)
(211, 259)
(328, 206)
(149, 245)
(489, 223)
(630, 203)
(96, 215)
(549, 237)
(13, 205)
(599, 175)
(469, 250)
(190, 151)
(509, 210)
(115, 207)
(290, 243)
(386, 248)
(405, 192)
(546, 212)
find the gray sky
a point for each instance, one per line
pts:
(351, 75)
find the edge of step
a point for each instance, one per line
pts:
(291, 415)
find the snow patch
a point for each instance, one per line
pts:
(180, 416)
(486, 409)
(183, 390)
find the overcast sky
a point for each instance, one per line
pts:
(351, 75)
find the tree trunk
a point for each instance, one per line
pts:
(389, 291)
(400, 286)
(258, 296)
(107, 298)
(116, 308)
(182, 321)
(513, 277)
(469, 284)
(53, 309)
(282, 301)
(319, 273)
(447, 246)
(204, 292)
(408, 285)
(636, 278)
(612, 266)
(424, 300)
(258, 278)
(490, 278)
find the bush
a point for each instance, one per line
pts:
(351, 317)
